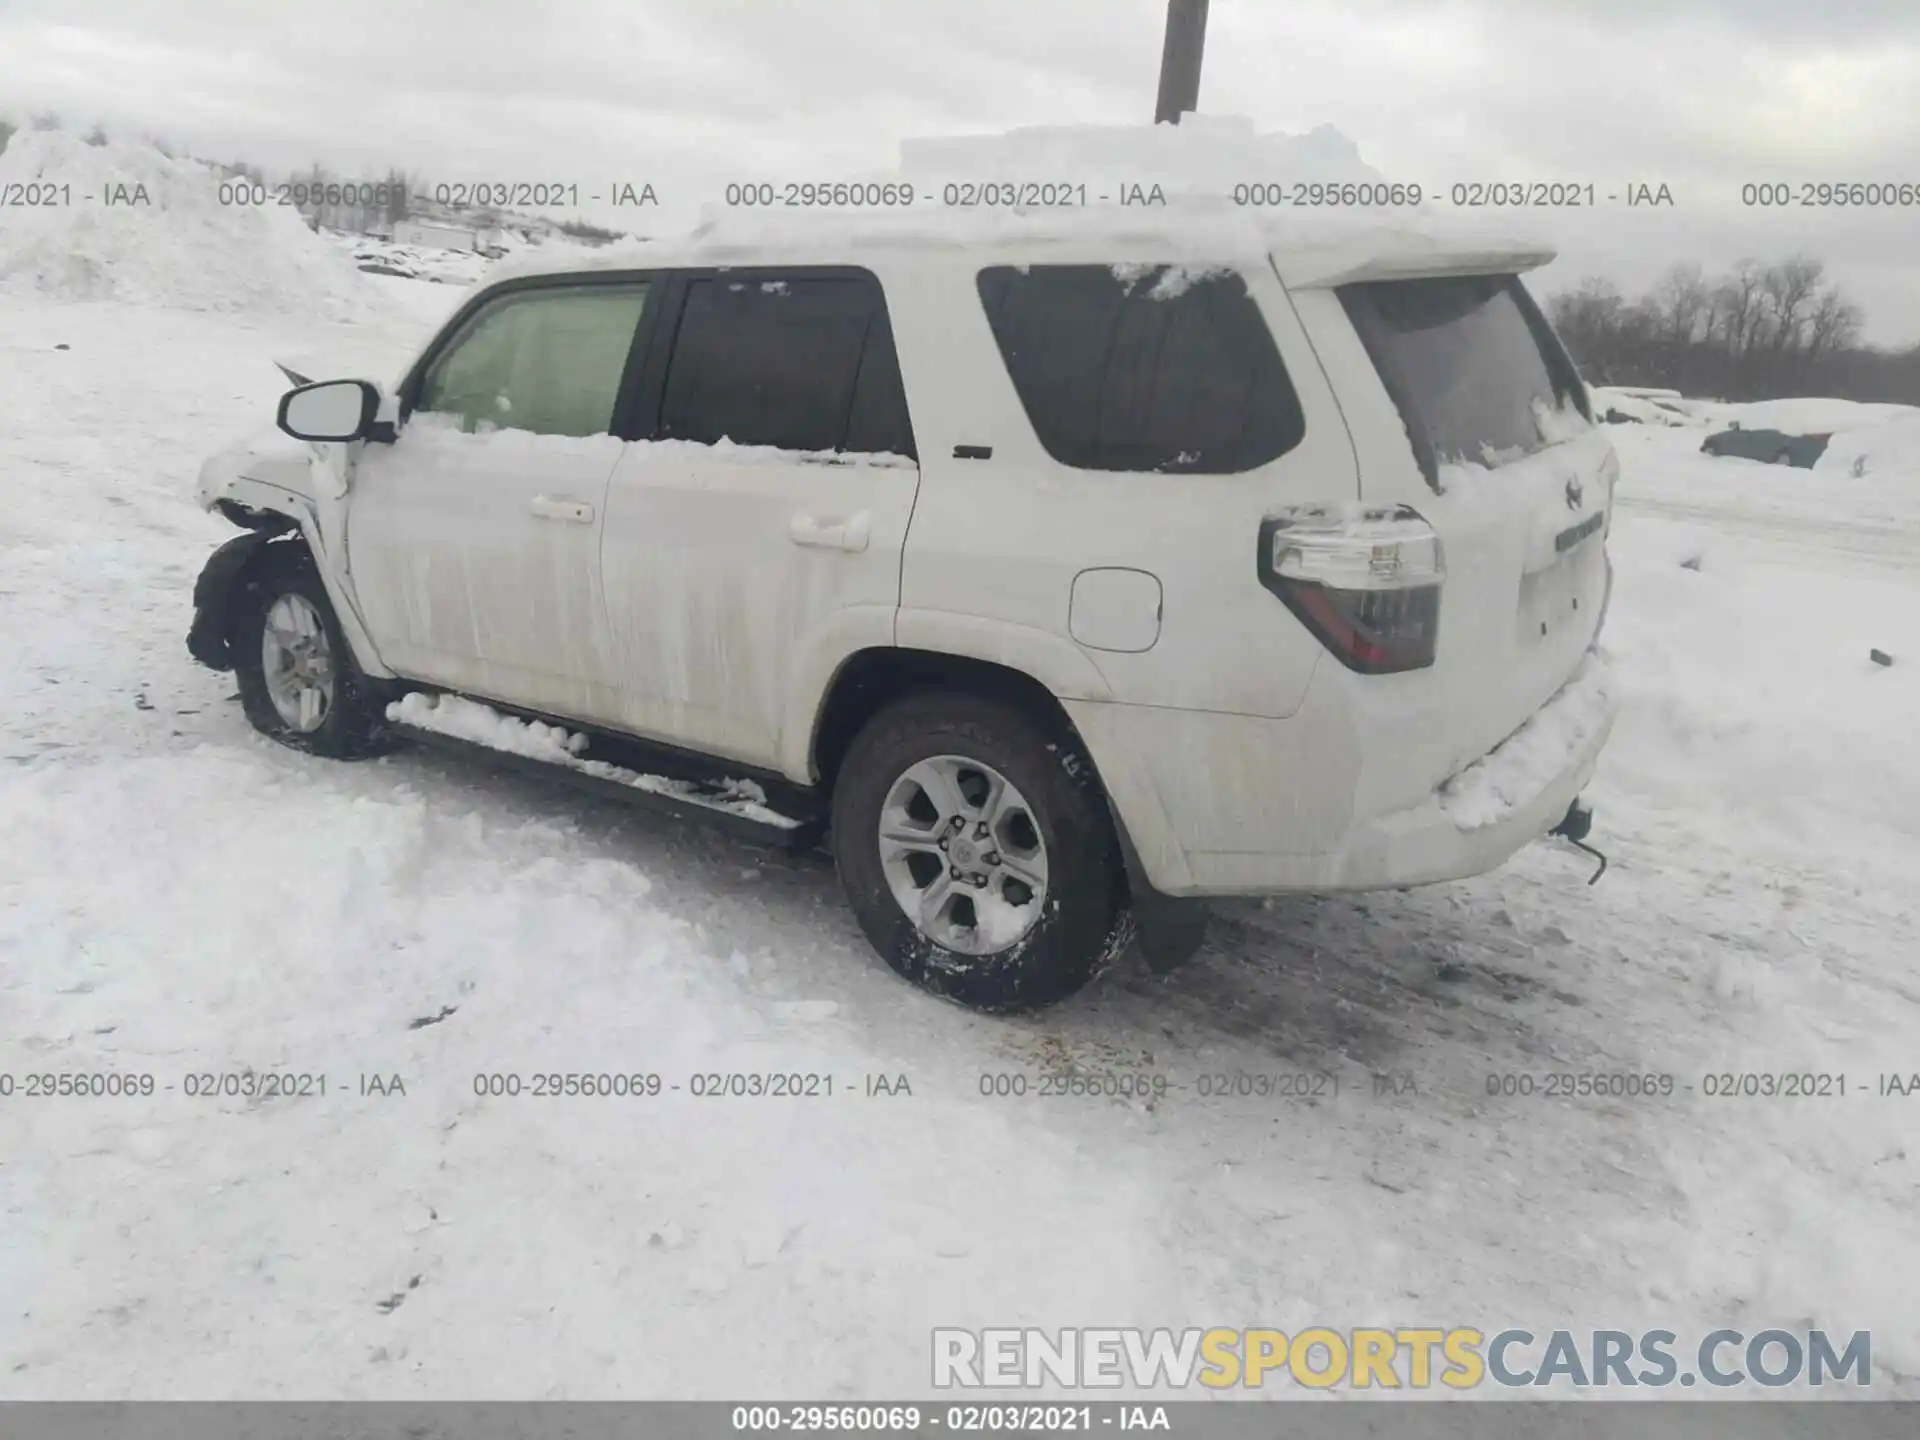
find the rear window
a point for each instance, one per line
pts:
(1469, 361)
(1143, 367)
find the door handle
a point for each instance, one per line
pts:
(548, 508)
(850, 534)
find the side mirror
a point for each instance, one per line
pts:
(335, 411)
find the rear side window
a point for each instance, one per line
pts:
(786, 360)
(547, 360)
(1468, 360)
(1143, 367)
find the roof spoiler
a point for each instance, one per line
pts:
(1325, 267)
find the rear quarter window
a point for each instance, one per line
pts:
(1143, 368)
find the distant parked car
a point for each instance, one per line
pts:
(1770, 447)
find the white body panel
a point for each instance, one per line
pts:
(476, 562)
(708, 598)
(1002, 540)
(736, 577)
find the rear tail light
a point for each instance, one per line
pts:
(1366, 582)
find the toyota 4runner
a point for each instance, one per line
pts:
(1058, 583)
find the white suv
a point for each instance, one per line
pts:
(1059, 582)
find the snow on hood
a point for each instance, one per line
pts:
(144, 227)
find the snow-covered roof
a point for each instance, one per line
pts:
(1318, 250)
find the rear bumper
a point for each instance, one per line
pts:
(1224, 805)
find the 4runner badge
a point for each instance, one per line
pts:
(1574, 494)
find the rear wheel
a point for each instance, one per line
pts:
(976, 852)
(298, 683)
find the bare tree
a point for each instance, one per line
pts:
(1685, 302)
(1757, 332)
(1737, 300)
(1834, 324)
(1789, 290)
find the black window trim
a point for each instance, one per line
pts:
(650, 380)
(1560, 367)
(638, 353)
(1365, 316)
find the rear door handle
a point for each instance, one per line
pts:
(850, 534)
(548, 508)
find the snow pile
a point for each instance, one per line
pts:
(1211, 153)
(1811, 415)
(1880, 450)
(468, 720)
(132, 224)
(1655, 408)
(1522, 765)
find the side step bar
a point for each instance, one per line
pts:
(684, 800)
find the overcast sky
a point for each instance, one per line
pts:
(1702, 95)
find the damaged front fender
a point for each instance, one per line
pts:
(207, 641)
(268, 464)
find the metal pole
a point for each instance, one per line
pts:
(1180, 60)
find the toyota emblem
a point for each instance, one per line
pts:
(1574, 495)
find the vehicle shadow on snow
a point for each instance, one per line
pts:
(1325, 984)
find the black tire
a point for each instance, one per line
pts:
(353, 727)
(1085, 922)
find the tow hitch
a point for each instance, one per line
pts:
(1574, 827)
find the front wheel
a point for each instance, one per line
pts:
(976, 852)
(298, 683)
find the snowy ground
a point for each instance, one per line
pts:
(180, 897)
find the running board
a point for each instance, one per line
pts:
(683, 800)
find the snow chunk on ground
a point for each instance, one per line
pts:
(1522, 765)
(180, 247)
(469, 720)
